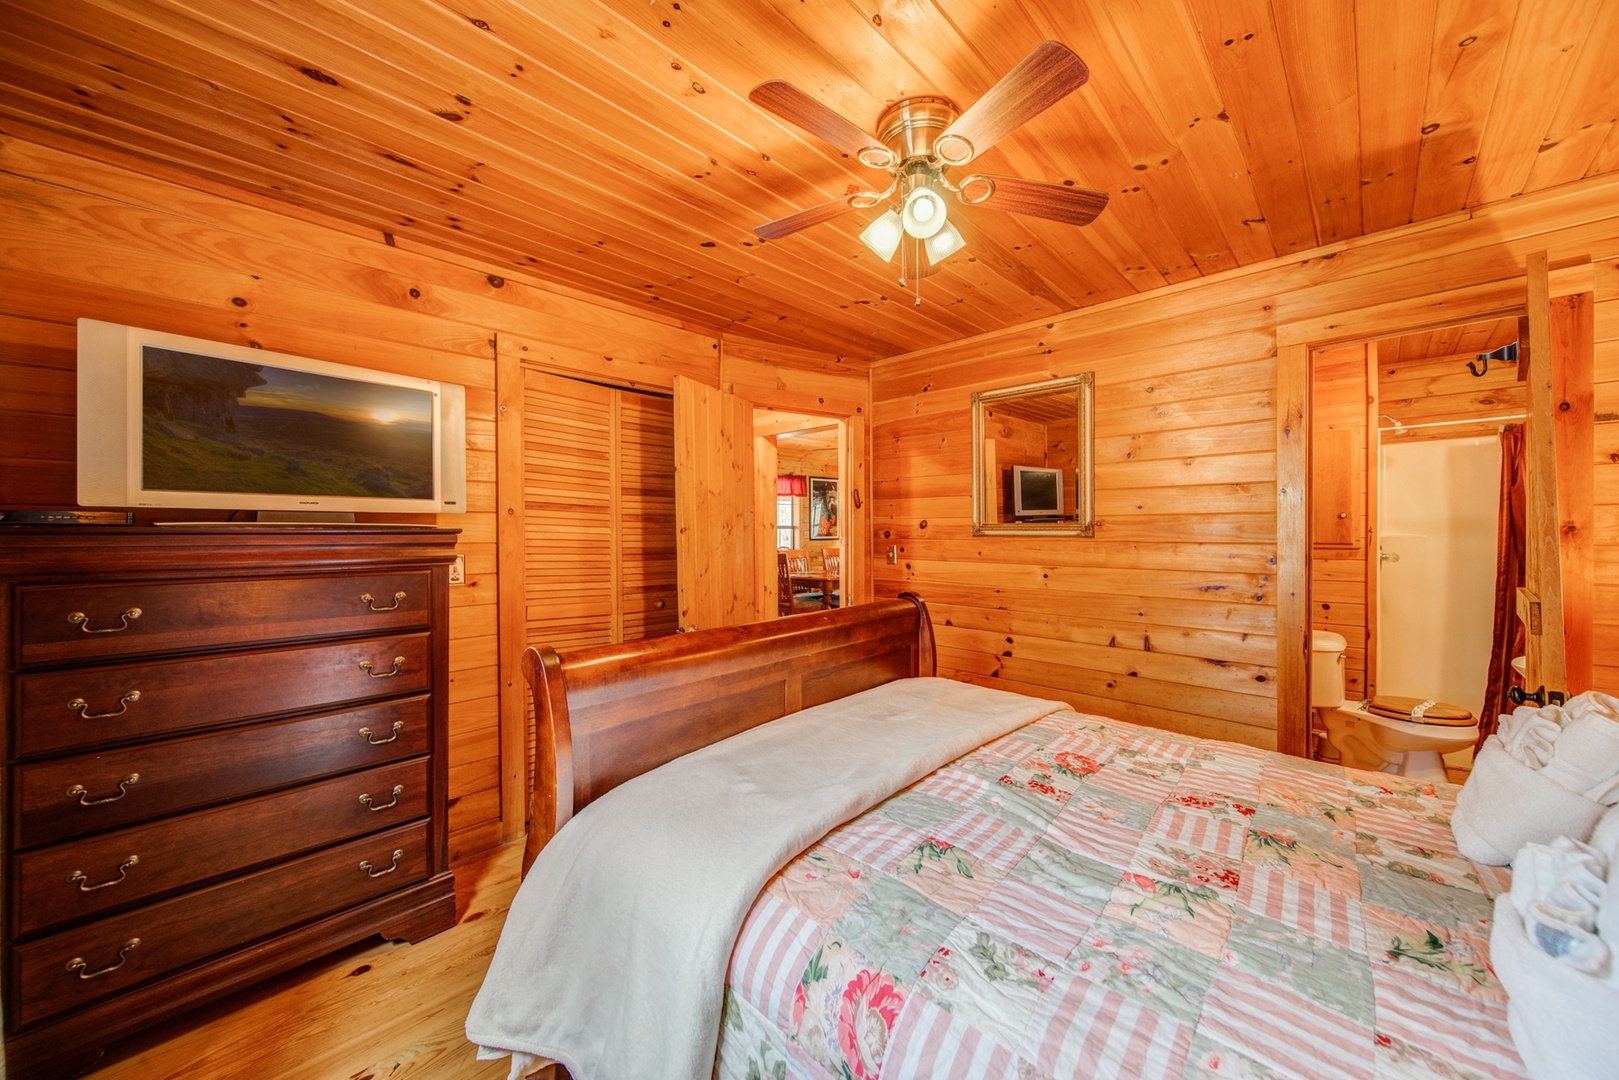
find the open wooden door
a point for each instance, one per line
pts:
(714, 507)
(1555, 603)
(764, 521)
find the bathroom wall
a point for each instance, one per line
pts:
(1438, 501)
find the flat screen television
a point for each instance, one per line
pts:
(172, 421)
(1036, 492)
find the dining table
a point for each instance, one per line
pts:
(825, 581)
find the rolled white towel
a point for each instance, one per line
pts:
(1537, 869)
(1505, 804)
(1530, 734)
(1561, 1019)
(1605, 839)
(1585, 753)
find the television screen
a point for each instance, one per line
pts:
(172, 421)
(1036, 492)
(218, 425)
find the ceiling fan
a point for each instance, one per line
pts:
(919, 140)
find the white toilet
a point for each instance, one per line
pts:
(1365, 740)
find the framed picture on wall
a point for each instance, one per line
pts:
(823, 508)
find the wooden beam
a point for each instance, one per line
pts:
(1540, 600)
(514, 799)
(1572, 331)
(1292, 589)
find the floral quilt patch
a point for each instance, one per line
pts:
(1088, 898)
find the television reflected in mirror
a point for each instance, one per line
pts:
(1036, 492)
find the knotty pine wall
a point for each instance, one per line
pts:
(80, 238)
(1169, 615)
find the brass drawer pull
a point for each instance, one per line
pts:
(78, 878)
(77, 964)
(399, 853)
(79, 792)
(82, 621)
(82, 707)
(399, 665)
(369, 601)
(369, 736)
(366, 801)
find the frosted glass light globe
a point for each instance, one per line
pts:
(924, 213)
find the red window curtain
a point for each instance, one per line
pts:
(792, 485)
(1508, 639)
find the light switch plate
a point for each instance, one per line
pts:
(458, 570)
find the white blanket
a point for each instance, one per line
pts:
(619, 981)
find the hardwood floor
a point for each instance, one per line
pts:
(375, 1011)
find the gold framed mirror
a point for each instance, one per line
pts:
(1033, 459)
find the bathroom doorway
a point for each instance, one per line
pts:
(1405, 496)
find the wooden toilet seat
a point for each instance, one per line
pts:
(1420, 711)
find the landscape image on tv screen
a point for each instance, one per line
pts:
(216, 425)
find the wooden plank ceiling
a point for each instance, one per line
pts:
(609, 145)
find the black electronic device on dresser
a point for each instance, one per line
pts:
(226, 754)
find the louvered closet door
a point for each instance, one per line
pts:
(646, 515)
(599, 513)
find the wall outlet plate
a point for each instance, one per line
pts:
(458, 570)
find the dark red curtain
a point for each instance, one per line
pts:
(791, 485)
(1507, 640)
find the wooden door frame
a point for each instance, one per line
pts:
(1295, 341)
(513, 632)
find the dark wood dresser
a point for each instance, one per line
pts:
(226, 754)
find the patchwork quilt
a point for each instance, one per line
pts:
(1089, 898)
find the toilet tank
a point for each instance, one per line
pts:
(1326, 669)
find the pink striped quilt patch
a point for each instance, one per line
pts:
(1086, 898)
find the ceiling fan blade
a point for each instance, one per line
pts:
(1058, 202)
(792, 104)
(775, 230)
(1040, 80)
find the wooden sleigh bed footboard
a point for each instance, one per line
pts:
(606, 713)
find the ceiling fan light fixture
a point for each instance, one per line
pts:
(883, 235)
(924, 212)
(944, 243)
(953, 149)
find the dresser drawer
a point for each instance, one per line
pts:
(67, 623)
(95, 706)
(90, 793)
(82, 878)
(76, 967)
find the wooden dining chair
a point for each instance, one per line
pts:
(834, 568)
(791, 596)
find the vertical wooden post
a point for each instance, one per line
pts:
(1374, 471)
(853, 455)
(514, 800)
(1292, 588)
(1572, 332)
(1540, 601)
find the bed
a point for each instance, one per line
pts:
(1069, 895)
